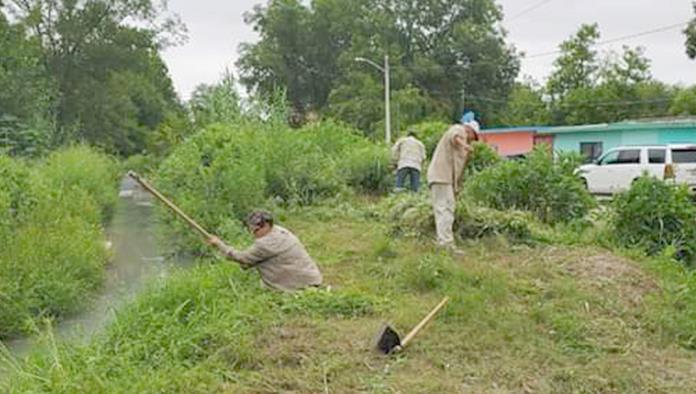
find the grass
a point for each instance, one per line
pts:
(52, 255)
(522, 319)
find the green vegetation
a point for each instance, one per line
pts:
(607, 323)
(225, 171)
(53, 251)
(538, 184)
(653, 216)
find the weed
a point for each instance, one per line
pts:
(653, 215)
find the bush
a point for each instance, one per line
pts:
(225, 171)
(550, 190)
(482, 156)
(55, 254)
(430, 133)
(653, 215)
(83, 168)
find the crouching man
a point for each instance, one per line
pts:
(277, 254)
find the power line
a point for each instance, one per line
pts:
(617, 39)
(529, 9)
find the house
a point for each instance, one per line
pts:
(593, 140)
(514, 141)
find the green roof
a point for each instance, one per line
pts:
(626, 126)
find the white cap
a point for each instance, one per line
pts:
(474, 126)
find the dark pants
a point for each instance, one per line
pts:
(411, 173)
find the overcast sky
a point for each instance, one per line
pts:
(216, 28)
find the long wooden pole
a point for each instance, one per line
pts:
(423, 322)
(169, 204)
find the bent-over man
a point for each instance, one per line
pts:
(277, 254)
(444, 176)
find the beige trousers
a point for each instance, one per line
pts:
(443, 205)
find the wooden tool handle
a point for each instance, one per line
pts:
(423, 322)
(169, 204)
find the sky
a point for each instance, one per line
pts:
(216, 28)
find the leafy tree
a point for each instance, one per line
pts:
(684, 102)
(443, 54)
(218, 103)
(113, 86)
(525, 106)
(26, 93)
(585, 88)
(575, 68)
(690, 33)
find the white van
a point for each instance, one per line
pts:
(616, 170)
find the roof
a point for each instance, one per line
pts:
(634, 125)
(522, 129)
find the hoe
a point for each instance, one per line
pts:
(389, 341)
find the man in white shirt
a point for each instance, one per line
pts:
(408, 154)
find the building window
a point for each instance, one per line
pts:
(591, 150)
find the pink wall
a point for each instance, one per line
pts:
(512, 143)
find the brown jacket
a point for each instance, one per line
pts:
(282, 261)
(449, 159)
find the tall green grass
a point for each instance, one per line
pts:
(51, 220)
(223, 172)
(196, 330)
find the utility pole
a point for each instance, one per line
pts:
(387, 101)
(387, 93)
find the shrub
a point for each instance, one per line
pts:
(366, 169)
(550, 190)
(430, 133)
(653, 215)
(223, 172)
(482, 156)
(55, 254)
(81, 167)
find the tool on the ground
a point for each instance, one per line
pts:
(389, 341)
(169, 204)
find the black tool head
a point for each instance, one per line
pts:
(388, 340)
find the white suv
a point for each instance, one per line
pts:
(616, 170)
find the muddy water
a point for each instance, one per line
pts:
(137, 260)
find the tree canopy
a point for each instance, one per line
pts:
(442, 56)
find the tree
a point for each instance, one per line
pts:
(690, 33)
(586, 88)
(113, 87)
(218, 103)
(27, 93)
(684, 102)
(575, 68)
(442, 54)
(525, 106)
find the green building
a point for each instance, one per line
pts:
(593, 140)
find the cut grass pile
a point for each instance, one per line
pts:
(522, 319)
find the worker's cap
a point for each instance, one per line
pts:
(475, 127)
(259, 218)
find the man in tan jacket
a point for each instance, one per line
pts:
(277, 254)
(444, 175)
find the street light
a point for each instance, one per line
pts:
(387, 98)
